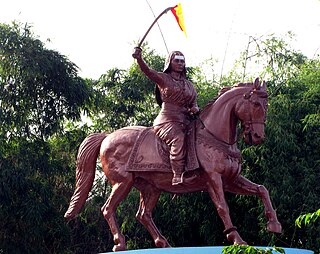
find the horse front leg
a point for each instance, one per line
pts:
(243, 186)
(216, 192)
(149, 196)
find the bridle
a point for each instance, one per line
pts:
(248, 128)
(247, 125)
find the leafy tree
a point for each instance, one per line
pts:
(273, 58)
(125, 97)
(308, 218)
(40, 89)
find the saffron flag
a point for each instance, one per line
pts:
(177, 12)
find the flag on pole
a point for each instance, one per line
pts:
(177, 12)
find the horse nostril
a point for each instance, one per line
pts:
(258, 138)
(256, 135)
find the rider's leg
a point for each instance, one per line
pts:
(174, 135)
(177, 174)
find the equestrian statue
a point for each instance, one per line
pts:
(138, 157)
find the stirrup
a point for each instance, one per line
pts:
(177, 179)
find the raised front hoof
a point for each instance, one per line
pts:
(119, 247)
(235, 238)
(162, 243)
(274, 226)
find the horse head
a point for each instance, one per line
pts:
(252, 112)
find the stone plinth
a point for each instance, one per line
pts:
(201, 250)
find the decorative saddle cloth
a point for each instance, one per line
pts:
(150, 153)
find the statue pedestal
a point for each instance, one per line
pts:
(201, 250)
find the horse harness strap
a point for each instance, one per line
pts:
(214, 136)
(212, 141)
(248, 127)
(218, 145)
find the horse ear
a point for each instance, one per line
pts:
(264, 86)
(247, 96)
(257, 84)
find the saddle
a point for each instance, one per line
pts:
(150, 153)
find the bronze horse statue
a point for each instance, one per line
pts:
(219, 162)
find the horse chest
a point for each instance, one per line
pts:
(225, 165)
(213, 159)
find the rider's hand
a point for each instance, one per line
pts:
(194, 110)
(137, 53)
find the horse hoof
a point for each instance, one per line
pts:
(118, 247)
(162, 243)
(274, 226)
(235, 238)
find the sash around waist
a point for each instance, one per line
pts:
(172, 113)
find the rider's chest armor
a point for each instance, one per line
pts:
(179, 92)
(177, 97)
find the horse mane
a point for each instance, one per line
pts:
(222, 91)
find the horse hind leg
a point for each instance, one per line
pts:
(118, 193)
(243, 186)
(149, 196)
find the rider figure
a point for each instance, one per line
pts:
(178, 102)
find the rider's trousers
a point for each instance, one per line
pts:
(173, 134)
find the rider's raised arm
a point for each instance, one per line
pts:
(150, 73)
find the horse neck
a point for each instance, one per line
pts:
(220, 120)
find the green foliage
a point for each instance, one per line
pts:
(30, 215)
(40, 87)
(189, 220)
(206, 89)
(244, 249)
(125, 98)
(288, 161)
(308, 218)
(272, 58)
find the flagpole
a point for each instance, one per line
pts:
(154, 15)
(155, 21)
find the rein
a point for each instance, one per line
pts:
(246, 130)
(215, 137)
(248, 127)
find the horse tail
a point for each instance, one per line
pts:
(86, 167)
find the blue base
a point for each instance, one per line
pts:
(200, 250)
